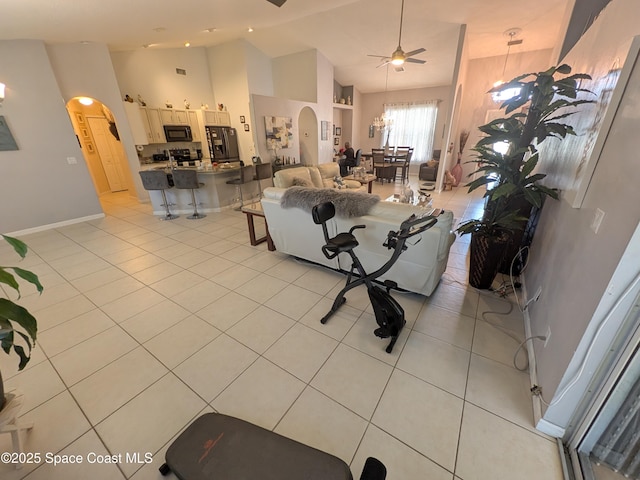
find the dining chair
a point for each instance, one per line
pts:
(383, 170)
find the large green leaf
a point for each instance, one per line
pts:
(8, 279)
(18, 245)
(19, 315)
(29, 277)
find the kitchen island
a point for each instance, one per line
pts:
(214, 196)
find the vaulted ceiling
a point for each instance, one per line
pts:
(344, 31)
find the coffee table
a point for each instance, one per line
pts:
(255, 210)
(368, 179)
(425, 203)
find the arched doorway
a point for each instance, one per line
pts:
(308, 135)
(95, 128)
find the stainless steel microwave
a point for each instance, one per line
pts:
(178, 133)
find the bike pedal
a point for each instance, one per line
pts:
(382, 333)
(390, 284)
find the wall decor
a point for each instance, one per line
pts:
(80, 118)
(246, 127)
(336, 141)
(85, 132)
(90, 147)
(241, 118)
(372, 131)
(324, 130)
(7, 142)
(279, 132)
(338, 131)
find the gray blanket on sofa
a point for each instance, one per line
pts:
(348, 204)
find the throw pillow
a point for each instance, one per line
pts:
(432, 163)
(301, 182)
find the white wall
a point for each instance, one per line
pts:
(295, 76)
(324, 106)
(96, 79)
(39, 187)
(571, 263)
(152, 73)
(273, 106)
(228, 68)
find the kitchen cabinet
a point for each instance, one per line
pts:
(194, 123)
(153, 124)
(138, 128)
(174, 117)
(213, 118)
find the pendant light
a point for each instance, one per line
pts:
(505, 95)
(383, 122)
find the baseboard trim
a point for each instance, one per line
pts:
(550, 429)
(541, 424)
(51, 226)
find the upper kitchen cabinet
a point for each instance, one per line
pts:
(139, 131)
(174, 117)
(213, 118)
(195, 125)
(153, 124)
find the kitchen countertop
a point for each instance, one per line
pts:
(218, 170)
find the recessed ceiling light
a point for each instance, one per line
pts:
(187, 44)
(250, 30)
(85, 100)
(159, 29)
(211, 30)
(85, 42)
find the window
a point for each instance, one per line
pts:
(413, 125)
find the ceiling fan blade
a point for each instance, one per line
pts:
(414, 52)
(378, 56)
(385, 62)
(277, 3)
(415, 60)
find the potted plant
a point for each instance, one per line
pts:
(13, 315)
(507, 156)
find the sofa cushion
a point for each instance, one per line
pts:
(284, 178)
(301, 182)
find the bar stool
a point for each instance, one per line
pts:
(246, 176)
(158, 180)
(188, 179)
(263, 171)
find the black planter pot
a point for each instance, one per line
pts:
(512, 263)
(486, 255)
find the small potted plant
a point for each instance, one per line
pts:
(507, 156)
(16, 321)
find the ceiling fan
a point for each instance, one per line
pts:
(398, 58)
(277, 3)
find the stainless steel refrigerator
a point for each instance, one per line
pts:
(223, 144)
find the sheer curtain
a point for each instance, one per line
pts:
(413, 125)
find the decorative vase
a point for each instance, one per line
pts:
(486, 254)
(456, 171)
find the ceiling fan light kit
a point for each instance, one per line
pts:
(399, 57)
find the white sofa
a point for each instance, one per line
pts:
(418, 269)
(320, 176)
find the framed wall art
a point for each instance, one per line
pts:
(279, 132)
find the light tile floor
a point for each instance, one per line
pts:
(145, 325)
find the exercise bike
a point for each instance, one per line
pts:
(389, 314)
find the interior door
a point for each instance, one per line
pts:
(109, 153)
